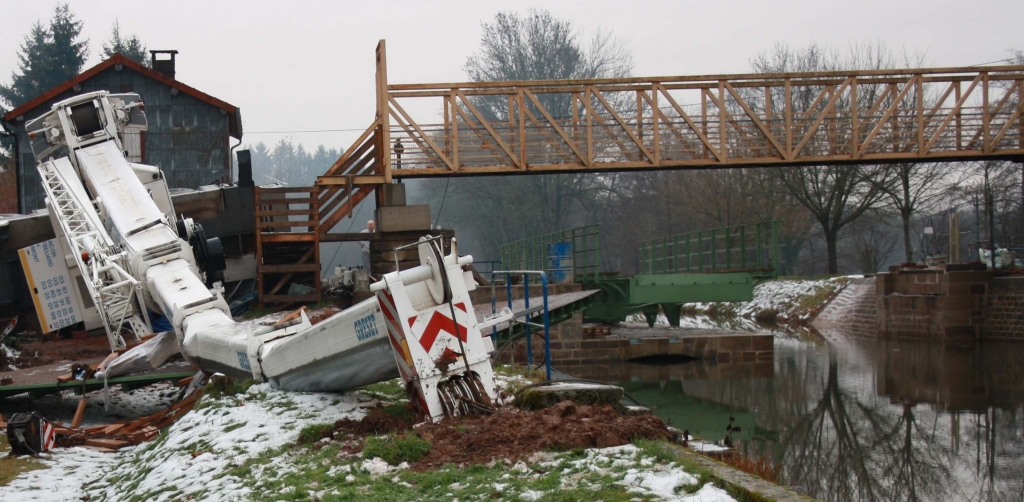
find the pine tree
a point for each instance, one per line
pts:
(66, 52)
(34, 67)
(47, 57)
(128, 46)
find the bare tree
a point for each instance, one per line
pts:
(871, 241)
(530, 47)
(836, 195)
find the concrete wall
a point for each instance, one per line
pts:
(854, 311)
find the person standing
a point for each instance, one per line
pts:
(399, 150)
(365, 245)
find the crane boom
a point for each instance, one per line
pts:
(135, 258)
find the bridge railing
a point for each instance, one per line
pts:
(809, 118)
(751, 247)
(533, 253)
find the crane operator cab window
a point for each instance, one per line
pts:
(86, 118)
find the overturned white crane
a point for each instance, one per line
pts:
(116, 220)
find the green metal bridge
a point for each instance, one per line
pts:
(713, 265)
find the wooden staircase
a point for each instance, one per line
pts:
(291, 222)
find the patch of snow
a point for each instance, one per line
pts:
(226, 435)
(531, 495)
(707, 447)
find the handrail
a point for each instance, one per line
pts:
(722, 249)
(526, 313)
(532, 253)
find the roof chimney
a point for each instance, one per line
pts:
(163, 61)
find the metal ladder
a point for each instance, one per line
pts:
(102, 269)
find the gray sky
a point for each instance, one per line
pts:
(308, 65)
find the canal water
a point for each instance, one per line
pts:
(858, 420)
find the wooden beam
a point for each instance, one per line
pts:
(955, 112)
(689, 122)
(422, 134)
(753, 117)
(554, 125)
(888, 113)
(476, 113)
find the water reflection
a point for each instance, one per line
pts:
(861, 420)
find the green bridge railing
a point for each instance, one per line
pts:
(740, 248)
(532, 253)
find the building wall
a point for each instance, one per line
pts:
(187, 138)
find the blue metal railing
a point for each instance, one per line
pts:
(526, 313)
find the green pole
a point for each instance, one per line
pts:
(714, 252)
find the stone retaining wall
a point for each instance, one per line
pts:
(1004, 309)
(854, 311)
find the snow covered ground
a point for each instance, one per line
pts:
(200, 457)
(792, 299)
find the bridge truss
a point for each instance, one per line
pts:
(709, 121)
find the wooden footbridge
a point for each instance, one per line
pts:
(673, 122)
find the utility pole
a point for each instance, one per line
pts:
(977, 226)
(991, 220)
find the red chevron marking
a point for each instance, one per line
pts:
(439, 322)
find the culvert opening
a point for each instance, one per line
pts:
(663, 359)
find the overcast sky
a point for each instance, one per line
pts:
(308, 65)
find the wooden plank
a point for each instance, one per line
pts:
(113, 444)
(292, 316)
(76, 421)
(284, 189)
(285, 224)
(284, 212)
(285, 238)
(289, 268)
(281, 202)
(366, 179)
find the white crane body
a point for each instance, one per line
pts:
(117, 220)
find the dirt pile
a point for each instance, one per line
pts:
(516, 435)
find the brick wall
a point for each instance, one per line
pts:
(1004, 309)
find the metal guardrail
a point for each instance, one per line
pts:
(532, 253)
(751, 247)
(527, 313)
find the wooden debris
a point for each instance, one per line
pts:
(79, 413)
(103, 364)
(111, 437)
(290, 317)
(185, 381)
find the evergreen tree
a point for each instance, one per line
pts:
(34, 67)
(47, 57)
(128, 46)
